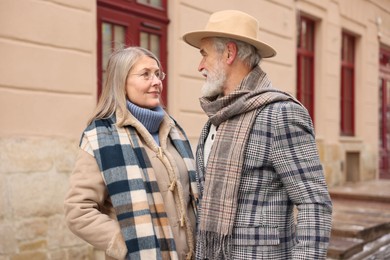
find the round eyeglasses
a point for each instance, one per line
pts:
(148, 75)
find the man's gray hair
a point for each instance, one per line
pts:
(246, 52)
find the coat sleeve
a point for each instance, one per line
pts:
(88, 210)
(297, 162)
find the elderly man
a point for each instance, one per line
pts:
(257, 157)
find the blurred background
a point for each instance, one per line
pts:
(333, 55)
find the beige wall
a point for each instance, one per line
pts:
(47, 66)
(48, 89)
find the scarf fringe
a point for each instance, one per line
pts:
(213, 246)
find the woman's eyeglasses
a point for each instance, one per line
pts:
(148, 75)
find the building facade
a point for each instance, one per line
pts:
(333, 55)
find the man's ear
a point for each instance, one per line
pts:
(231, 49)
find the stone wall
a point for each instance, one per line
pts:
(34, 176)
(335, 163)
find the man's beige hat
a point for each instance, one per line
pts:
(231, 24)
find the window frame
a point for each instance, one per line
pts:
(347, 84)
(306, 64)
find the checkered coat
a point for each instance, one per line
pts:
(282, 170)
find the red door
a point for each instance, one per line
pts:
(384, 115)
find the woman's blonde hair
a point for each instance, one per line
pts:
(113, 96)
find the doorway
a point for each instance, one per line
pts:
(384, 114)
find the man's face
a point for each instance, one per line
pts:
(212, 68)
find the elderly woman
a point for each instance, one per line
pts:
(133, 190)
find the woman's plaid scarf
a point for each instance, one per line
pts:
(219, 181)
(133, 187)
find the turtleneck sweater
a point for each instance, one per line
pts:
(150, 118)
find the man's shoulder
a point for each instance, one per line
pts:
(280, 105)
(285, 109)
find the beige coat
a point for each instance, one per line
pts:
(88, 209)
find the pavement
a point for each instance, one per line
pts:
(361, 221)
(373, 190)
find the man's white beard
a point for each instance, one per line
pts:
(211, 89)
(214, 83)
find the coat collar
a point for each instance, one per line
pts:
(129, 120)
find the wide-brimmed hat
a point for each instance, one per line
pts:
(231, 24)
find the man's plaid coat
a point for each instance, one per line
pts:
(282, 170)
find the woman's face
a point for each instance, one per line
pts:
(143, 84)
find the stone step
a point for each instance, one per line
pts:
(378, 249)
(372, 191)
(344, 247)
(361, 220)
(352, 249)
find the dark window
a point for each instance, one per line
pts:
(131, 23)
(384, 113)
(347, 95)
(305, 64)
